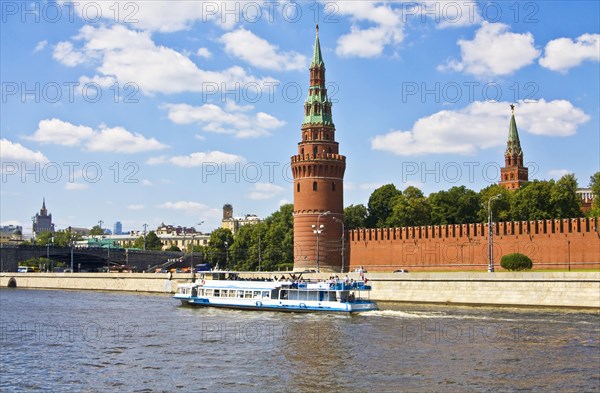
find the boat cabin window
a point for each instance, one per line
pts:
(209, 292)
(248, 295)
(232, 293)
(283, 294)
(256, 294)
(240, 294)
(266, 294)
(217, 293)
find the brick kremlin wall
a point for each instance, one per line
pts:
(551, 244)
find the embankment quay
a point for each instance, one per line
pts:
(529, 289)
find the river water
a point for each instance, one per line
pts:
(106, 342)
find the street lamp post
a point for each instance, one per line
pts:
(491, 234)
(226, 254)
(145, 226)
(317, 229)
(341, 222)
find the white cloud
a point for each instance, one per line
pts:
(146, 182)
(198, 159)
(15, 152)
(132, 57)
(284, 202)
(563, 53)
(183, 205)
(480, 125)
(260, 53)
(369, 42)
(558, 173)
(449, 13)
(136, 207)
(213, 118)
(40, 46)
(204, 52)
(262, 191)
(117, 139)
(56, 131)
(494, 51)
(72, 186)
(163, 16)
(65, 53)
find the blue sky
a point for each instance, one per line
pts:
(162, 111)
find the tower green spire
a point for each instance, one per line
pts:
(514, 145)
(317, 107)
(317, 59)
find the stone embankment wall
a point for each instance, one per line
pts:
(566, 289)
(551, 244)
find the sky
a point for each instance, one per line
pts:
(147, 112)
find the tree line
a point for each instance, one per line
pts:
(536, 200)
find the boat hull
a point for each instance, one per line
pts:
(279, 305)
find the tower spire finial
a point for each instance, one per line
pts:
(512, 108)
(317, 29)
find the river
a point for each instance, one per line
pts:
(73, 341)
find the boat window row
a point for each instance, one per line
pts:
(234, 293)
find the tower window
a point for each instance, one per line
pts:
(314, 186)
(298, 187)
(332, 186)
(315, 150)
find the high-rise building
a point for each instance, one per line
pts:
(514, 174)
(118, 228)
(318, 171)
(42, 221)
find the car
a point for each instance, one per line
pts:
(401, 271)
(25, 269)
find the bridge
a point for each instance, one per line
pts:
(85, 259)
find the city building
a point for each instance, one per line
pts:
(234, 223)
(513, 175)
(11, 234)
(118, 228)
(318, 171)
(587, 199)
(42, 221)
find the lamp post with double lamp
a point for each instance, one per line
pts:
(491, 234)
(341, 222)
(317, 229)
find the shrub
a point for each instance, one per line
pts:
(516, 262)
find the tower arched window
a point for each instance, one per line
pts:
(298, 187)
(332, 186)
(315, 150)
(314, 186)
(302, 151)
(330, 150)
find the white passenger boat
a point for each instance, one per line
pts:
(285, 295)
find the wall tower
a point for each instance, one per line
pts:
(513, 175)
(318, 171)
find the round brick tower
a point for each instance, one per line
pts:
(318, 171)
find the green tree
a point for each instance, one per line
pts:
(152, 242)
(410, 208)
(217, 250)
(173, 248)
(96, 231)
(564, 199)
(57, 239)
(532, 201)
(500, 206)
(355, 216)
(595, 186)
(381, 205)
(458, 205)
(279, 239)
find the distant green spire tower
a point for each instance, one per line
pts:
(513, 175)
(318, 170)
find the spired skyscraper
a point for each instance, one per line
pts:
(318, 171)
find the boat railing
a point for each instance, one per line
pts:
(335, 286)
